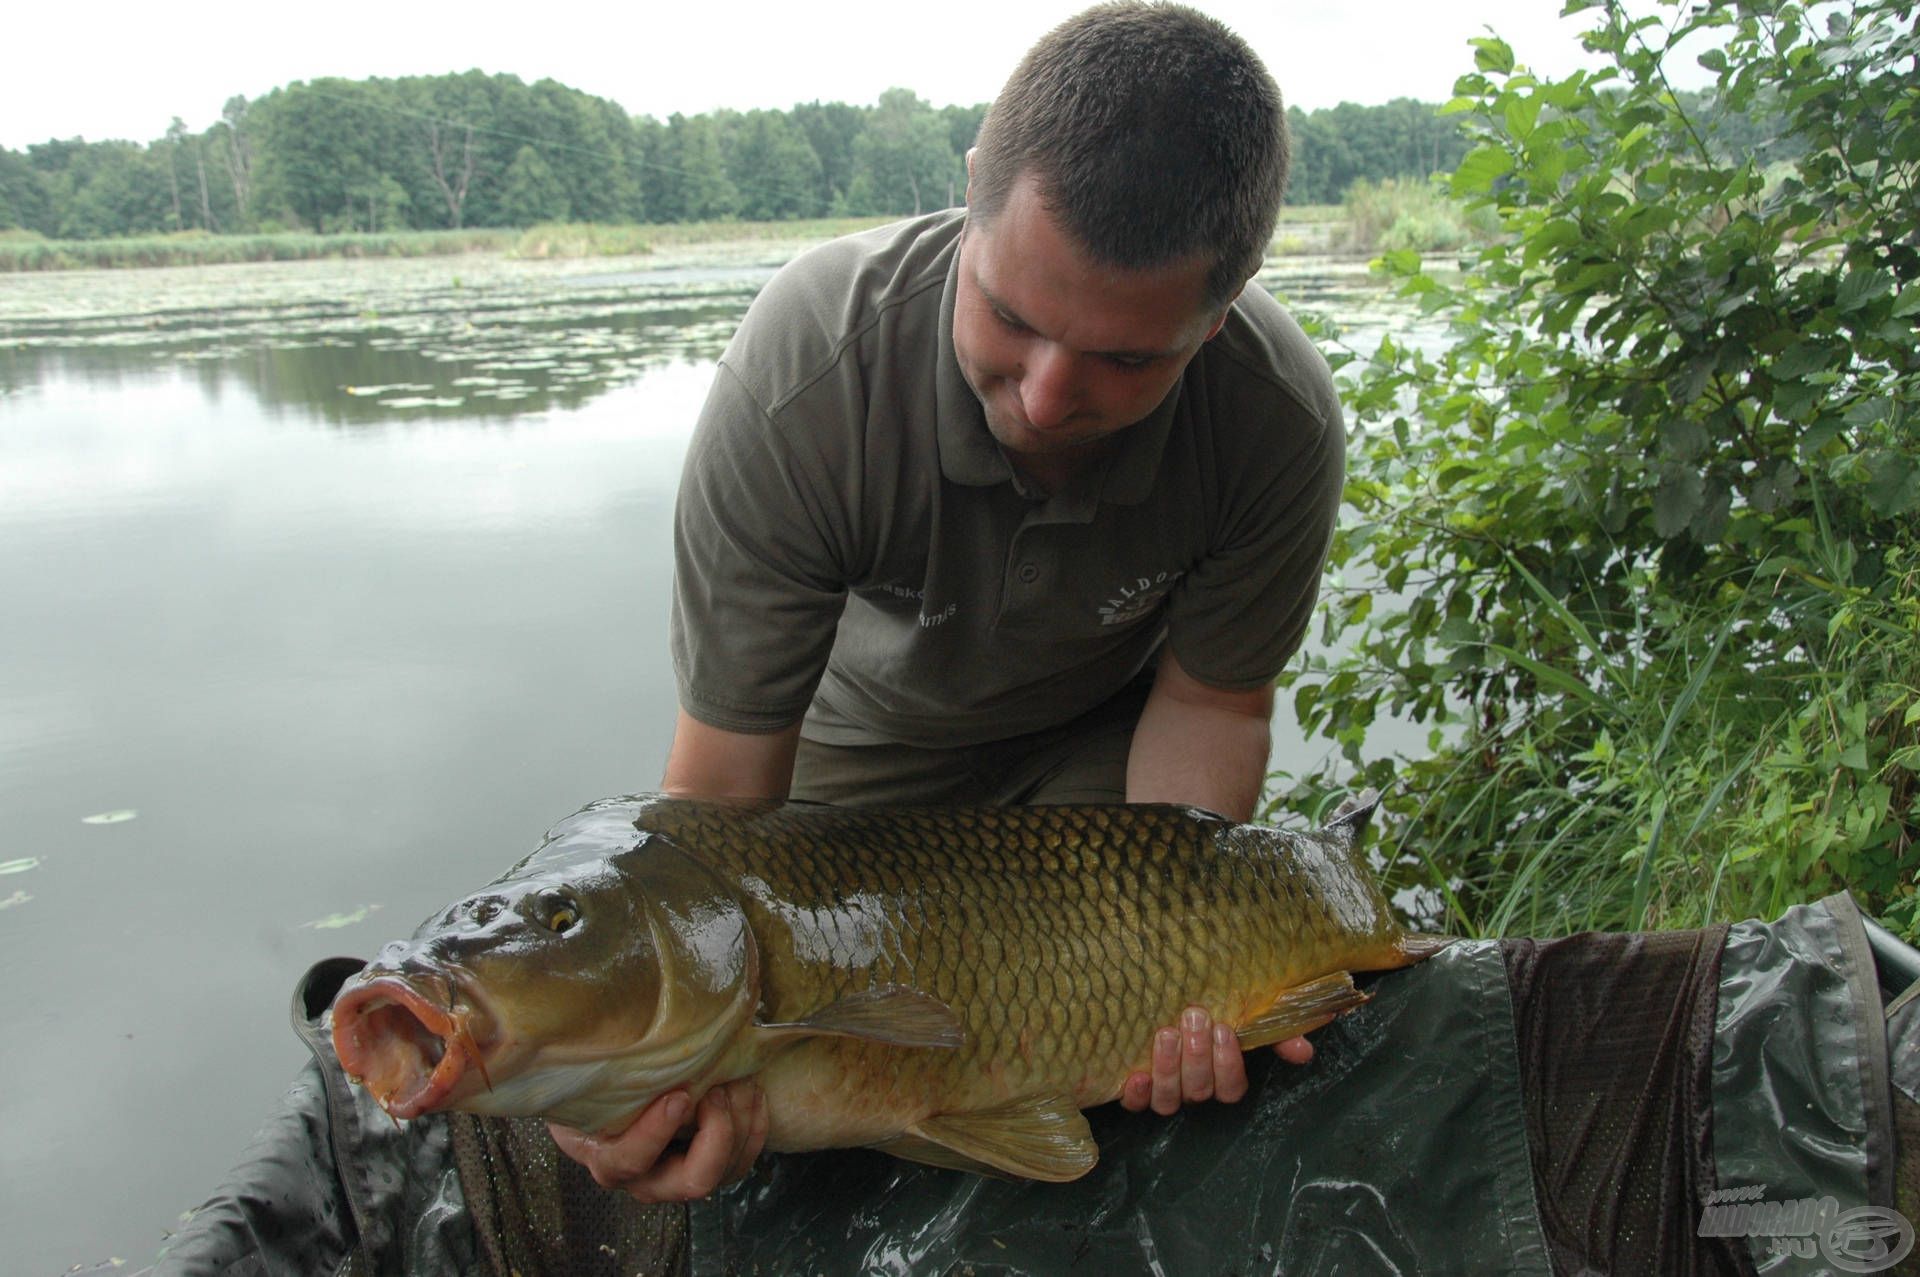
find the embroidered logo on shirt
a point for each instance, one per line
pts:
(927, 618)
(1136, 598)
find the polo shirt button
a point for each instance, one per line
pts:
(1028, 574)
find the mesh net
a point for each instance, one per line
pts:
(538, 1213)
(1615, 1033)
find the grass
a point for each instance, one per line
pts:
(26, 252)
(591, 239)
(22, 250)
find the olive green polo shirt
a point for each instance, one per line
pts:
(853, 548)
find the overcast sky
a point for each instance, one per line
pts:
(115, 69)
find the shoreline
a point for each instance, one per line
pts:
(1303, 231)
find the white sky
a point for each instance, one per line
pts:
(115, 69)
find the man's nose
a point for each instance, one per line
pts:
(1047, 387)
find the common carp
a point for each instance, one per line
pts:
(950, 985)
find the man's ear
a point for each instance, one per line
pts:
(1221, 321)
(969, 190)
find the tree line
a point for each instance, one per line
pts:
(476, 150)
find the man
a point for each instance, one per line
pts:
(1025, 505)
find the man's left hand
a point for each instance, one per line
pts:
(1198, 1060)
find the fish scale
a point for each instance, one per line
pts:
(951, 985)
(1156, 875)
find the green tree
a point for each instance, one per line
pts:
(693, 155)
(770, 165)
(23, 195)
(1649, 530)
(532, 193)
(903, 161)
(324, 148)
(830, 129)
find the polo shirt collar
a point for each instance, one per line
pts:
(969, 454)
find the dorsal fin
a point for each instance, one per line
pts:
(1353, 814)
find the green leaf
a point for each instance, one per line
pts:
(1862, 288)
(1854, 756)
(109, 817)
(1483, 166)
(1908, 302)
(1775, 490)
(1799, 359)
(1677, 500)
(1893, 483)
(1491, 53)
(1684, 439)
(1521, 114)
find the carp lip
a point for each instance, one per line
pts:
(408, 1050)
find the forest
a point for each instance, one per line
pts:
(479, 150)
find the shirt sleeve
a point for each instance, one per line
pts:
(758, 580)
(1239, 615)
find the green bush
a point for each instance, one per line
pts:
(1649, 529)
(1402, 214)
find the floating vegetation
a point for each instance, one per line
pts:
(17, 898)
(361, 391)
(20, 866)
(420, 401)
(109, 817)
(334, 921)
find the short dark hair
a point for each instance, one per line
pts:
(1154, 134)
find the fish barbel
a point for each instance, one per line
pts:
(951, 985)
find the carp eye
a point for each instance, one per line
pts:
(561, 917)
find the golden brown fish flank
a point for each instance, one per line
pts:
(949, 984)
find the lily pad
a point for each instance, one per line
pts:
(17, 898)
(109, 817)
(422, 401)
(19, 866)
(334, 921)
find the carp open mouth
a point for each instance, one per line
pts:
(406, 1050)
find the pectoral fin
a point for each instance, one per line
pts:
(1300, 1009)
(890, 1013)
(1043, 1138)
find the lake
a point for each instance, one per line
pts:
(324, 589)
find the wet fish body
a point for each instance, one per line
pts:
(951, 985)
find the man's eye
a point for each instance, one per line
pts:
(1009, 323)
(1130, 363)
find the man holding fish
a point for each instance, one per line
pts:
(1025, 503)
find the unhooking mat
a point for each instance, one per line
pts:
(1740, 1099)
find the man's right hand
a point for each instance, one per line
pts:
(729, 1127)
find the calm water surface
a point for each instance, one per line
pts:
(345, 580)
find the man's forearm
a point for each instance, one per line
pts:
(1201, 746)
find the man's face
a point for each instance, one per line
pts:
(1062, 351)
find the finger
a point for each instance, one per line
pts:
(1137, 1092)
(1294, 1050)
(616, 1159)
(748, 1105)
(756, 1136)
(1196, 1055)
(704, 1166)
(1166, 1072)
(1229, 1066)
